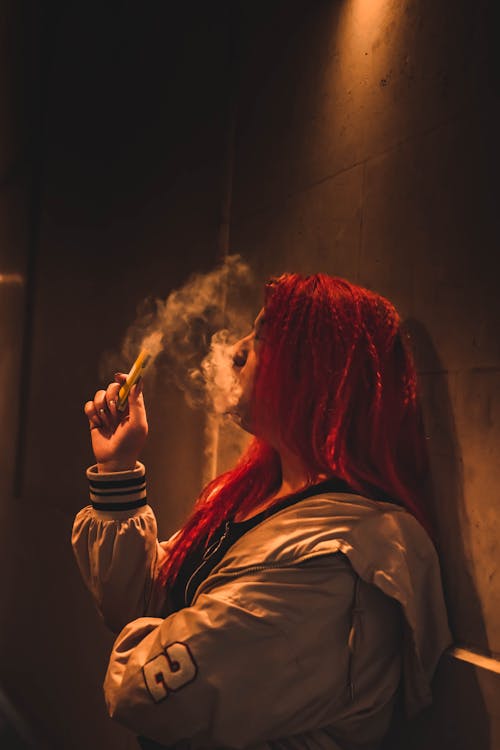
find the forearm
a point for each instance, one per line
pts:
(115, 544)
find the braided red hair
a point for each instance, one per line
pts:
(336, 377)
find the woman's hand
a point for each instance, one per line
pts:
(117, 437)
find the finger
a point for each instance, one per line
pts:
(137, 408)
(121, 378)
(92, 416)
(101, 407)
(111, 400)
(136, 390)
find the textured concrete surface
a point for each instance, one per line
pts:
(13, 237)
(331, 84)
(464, 713)
(10, 110)
(366, 147)
(130, 207)
(14, 201)
(11, 315)
(318, 228)
(367, 150)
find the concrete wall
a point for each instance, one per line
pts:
(18, 111)
(135, 116)
(365, 147)
(15, 183)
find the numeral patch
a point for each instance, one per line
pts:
(169, 671)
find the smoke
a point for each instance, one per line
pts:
(223, 391)
(190, 335)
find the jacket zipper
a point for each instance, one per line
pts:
(207, 555)
(355, 610)
(255, 568)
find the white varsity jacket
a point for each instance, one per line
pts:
(298, 638)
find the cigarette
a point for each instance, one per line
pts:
(140, 364)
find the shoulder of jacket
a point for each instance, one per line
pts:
(316, 526)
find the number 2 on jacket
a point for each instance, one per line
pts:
(169, 671)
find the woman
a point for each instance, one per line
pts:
(302, 597)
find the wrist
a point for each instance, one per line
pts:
(117, 490)
(113, 466)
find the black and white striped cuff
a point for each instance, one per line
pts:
(117, 490)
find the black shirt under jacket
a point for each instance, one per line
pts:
(200, 561)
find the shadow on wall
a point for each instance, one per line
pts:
(16, 729)
(456, 720)
(458, 717)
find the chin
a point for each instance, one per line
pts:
(241, 418)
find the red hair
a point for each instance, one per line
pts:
(337, 379)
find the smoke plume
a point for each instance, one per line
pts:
(190, 335)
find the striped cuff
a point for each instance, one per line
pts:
(117, 490)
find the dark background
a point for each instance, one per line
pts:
(140, 142)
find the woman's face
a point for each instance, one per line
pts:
(245, 361)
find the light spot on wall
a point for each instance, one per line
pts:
(11, 278)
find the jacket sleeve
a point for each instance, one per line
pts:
(254, 659)
(114, 540)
